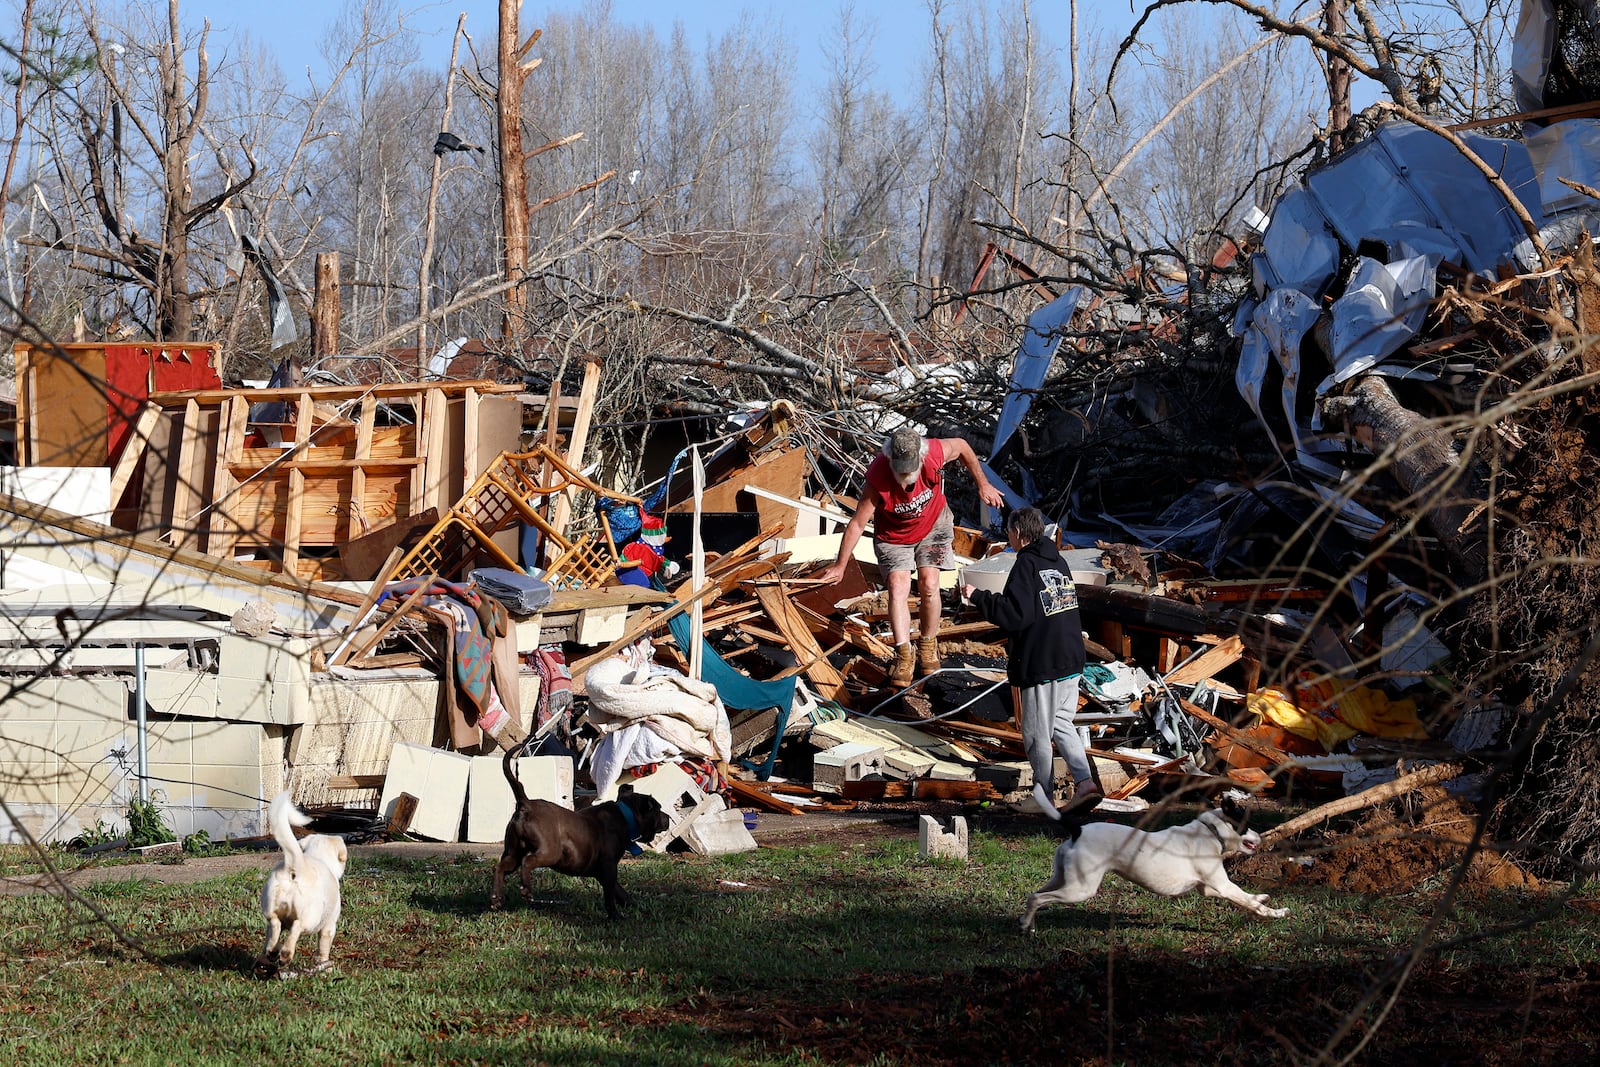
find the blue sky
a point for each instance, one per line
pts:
(293, 29)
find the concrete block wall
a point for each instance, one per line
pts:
(69, 756)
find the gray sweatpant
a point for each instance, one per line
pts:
(1047, 712)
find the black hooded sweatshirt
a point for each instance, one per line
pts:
(1038, 610)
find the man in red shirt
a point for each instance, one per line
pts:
(912, 531)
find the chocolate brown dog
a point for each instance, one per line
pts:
(587, 844)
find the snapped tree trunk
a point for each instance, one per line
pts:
(513, 168)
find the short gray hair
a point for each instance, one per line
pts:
(1027, 524)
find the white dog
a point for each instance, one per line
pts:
(302, 893)
(1171, 862)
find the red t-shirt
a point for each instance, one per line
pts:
(905, 516)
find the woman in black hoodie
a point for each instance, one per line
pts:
(1038, 610)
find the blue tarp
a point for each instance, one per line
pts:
(736, 689)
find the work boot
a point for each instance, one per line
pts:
(904, 660)
(928, 655)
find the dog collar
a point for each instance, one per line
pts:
(632, 822)
(1218, 835)
(629, 818)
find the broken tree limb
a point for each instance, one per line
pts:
(1439, 772)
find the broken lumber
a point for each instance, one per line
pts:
(756, 797)
(919, 789)
(829, 682)
(1207, 663)
(650, 622)
(1432, 775)
(1273, 754)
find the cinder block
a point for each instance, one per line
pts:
(844, 763)
(528, 633)
(601, 625)
(719, 834)
(437, 778)
(1110, 773)
(227, 786)
(489, 798)
(935, 842)
(263, 681)
(680, 796)
(672, 787)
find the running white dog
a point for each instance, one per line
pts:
(1171, 862)
(303, 891)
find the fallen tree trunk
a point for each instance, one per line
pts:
(1442, 487)
(1438, 772)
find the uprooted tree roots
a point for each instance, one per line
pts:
(1528, 629)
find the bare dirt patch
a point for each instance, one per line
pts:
(1391, 850)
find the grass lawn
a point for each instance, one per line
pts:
(847, 951)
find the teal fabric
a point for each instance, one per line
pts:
(1095, 676)
(737, 689)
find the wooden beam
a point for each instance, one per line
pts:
(329, 394)
(470, 467)
(133, 451)
(357, 781)
(829, 682)
(1208, 663)
(432, 434)
(224, 532)
(578, 442)
(753, 796)
(185, 501)
(294, 507)
(358, 651)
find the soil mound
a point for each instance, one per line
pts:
(1392, 849)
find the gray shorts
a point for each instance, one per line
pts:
(935, 550)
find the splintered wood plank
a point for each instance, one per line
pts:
(470, 467)
(295, 506)
(1270, 752)
(133, 451)
(361, 516)
(186, 498)
(1208, 663)
(435, 429)
(752, 796)
(224, 532)
(804, 644)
